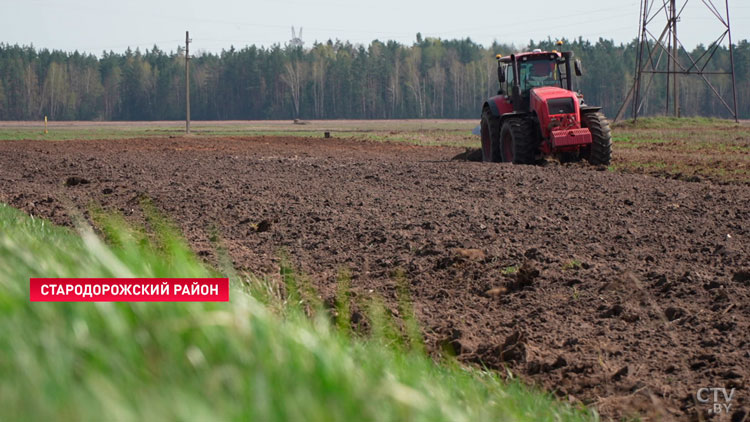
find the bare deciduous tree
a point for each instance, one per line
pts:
(292, 77)
(414, 79)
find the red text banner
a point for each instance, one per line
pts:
(129, 289)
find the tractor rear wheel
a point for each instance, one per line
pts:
(517, 141)
(490, 131)
(600, 151)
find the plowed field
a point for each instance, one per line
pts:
(626, 292)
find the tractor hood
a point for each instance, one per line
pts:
(550, 92)
(550, 101)
(556, 108)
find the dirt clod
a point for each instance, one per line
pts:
(560, 362)
(263, 226)
(471, 154)
(462, 254)
(514, 348)
(622, 372)
(75, 181)
(613, 311)
(496, 291)
(452, 344)
(673, 313)
(742, 277)
(740, 415)
(524, 277)
(533, 253)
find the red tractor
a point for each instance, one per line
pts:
(537, 113)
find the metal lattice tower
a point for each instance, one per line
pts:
(652, 50)
(296, 41)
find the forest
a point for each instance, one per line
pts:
(432, 78)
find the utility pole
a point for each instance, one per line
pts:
(187, 81)
(731, 60)
(675, 58)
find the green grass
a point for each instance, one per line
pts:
(687, 148)
(70, 133)
(424, 138)
(263, 356)
(414, 132)
(675, 123)
(572, 265)
(575, 293)
(634, 142)
(511, 270)
(654, 165)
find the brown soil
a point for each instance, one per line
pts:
(627, 292)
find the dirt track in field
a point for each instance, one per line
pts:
(627, 292)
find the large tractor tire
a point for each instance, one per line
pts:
(600, 151)
(490, 131)
(517, 141)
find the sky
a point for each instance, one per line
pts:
(96, 25)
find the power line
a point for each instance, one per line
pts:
(526, 22)
(187, 82)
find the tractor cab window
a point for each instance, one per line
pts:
(509, 79)
(539, 72)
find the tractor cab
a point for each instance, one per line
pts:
(520, 73)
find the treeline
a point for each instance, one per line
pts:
(432, 78)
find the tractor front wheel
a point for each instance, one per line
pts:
(517, 141)
(600, 151)
(490, 131)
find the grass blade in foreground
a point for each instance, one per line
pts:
(207, 361)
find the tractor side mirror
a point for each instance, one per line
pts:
(579, 68)
(501, 74)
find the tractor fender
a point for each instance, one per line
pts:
(589, 109)
(499, 105)
(506, 116)
(500, 118)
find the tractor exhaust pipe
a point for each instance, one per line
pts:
(568, 55)
(516, 94)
